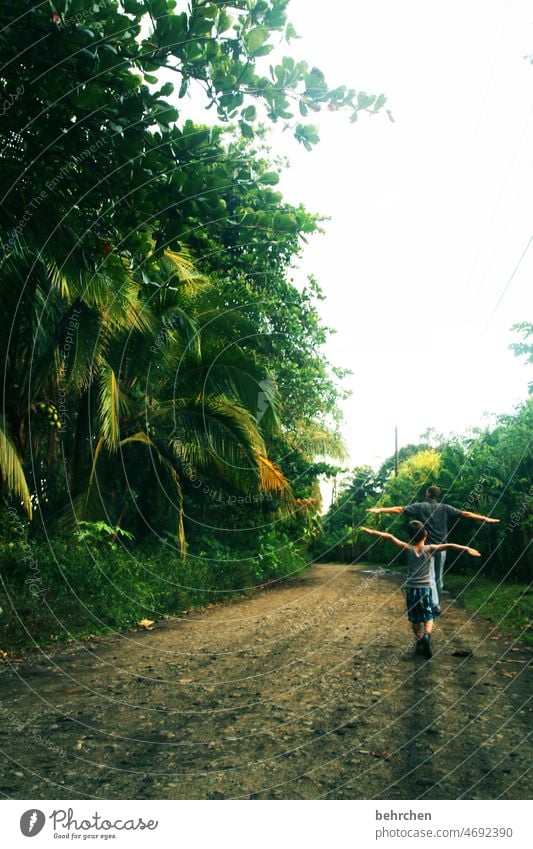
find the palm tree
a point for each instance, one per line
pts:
(185, 390)
(57, 319)
(149, 358)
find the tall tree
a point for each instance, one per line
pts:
(103, 185)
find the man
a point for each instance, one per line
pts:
(434, 515)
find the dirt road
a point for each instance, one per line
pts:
(307, 691)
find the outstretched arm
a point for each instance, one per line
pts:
(399, 542)
(466, 514)
(454, 547)
(384, 509)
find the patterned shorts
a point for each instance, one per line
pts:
(419, 604)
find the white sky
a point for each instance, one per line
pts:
(429, 214)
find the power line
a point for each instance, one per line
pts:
(511, 278)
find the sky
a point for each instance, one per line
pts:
(429, 215)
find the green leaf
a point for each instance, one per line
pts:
(307, 134)
(172, 31)
(225, 21)
(364, 100)
(290, 32)
(166, 90)
(285, 222)
(194, 51)
(133, 7)
(246, 129)
(166, 115)
(264, 50)
(256, 38)
(250, 113)
(269, 178)
(157, 7)
(210, 11)
(200, 26)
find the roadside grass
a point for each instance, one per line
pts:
(506, 604)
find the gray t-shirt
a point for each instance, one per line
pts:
(419, 567)
(434, 516)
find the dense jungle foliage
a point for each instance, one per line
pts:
(163, 381)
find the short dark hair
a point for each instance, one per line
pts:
(417, 531)
(434, 492)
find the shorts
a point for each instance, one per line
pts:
(419, 604)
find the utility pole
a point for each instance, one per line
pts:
(353, 534)
(396, 451)
(333, 499)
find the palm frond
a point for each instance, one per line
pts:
(274, 481)
(59, 280)
(313, 440)
(116, 295)
(176, 335)
(232, 373)
(216, 431)
(97, 450)
(143, 438)
(11, 469)
(180, 267)
(109, 404)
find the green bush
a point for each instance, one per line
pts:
(99, 584)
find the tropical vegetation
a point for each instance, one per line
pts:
(164, 383)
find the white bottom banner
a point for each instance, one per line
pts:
(262, 824)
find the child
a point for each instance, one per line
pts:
(420, 579)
